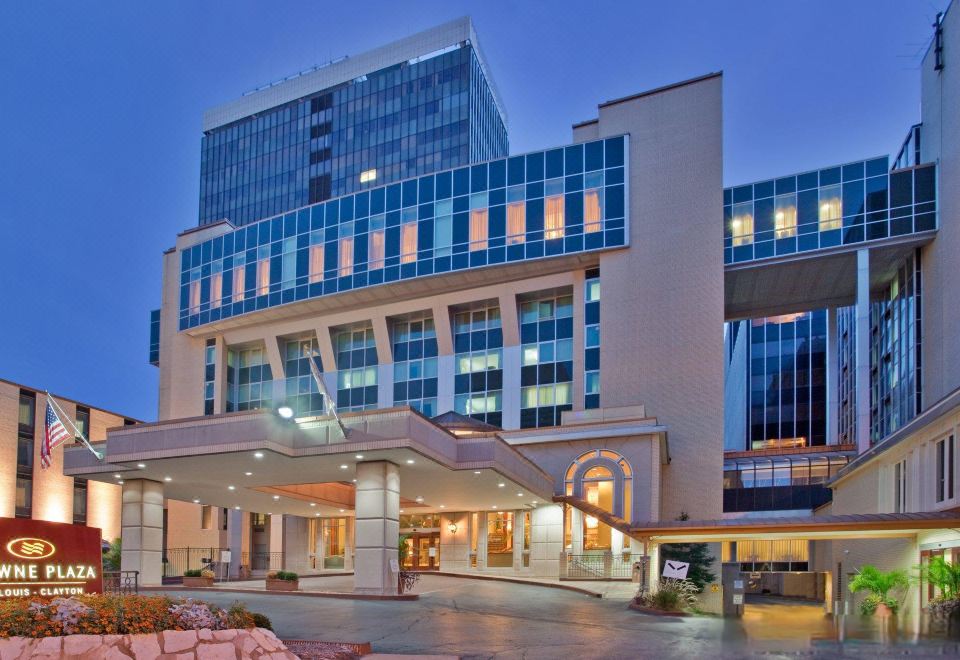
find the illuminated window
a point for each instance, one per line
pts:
(478, 229)
(194, 292)
(500, 539)
(316, 256)
(375, 249)
(263, 270)
(785, 216)
(595, 475)
(831, 208)
(553, 217)
(368, 175)
(346, 256)
(741, 225)
(592, 215)
(216, 284)
(408, 243)
(516, 222)
(239, 278)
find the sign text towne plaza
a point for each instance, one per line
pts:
(48, 559)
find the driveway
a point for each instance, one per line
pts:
(485, 619)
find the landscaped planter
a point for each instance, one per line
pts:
(274, 584)
(193, 582)
(654, 611)
(201, 644)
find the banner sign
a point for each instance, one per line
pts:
(48, 559)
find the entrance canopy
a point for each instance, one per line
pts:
(812, 528)
(256, 461)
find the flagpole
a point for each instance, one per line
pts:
(76, 431)
(331, 408)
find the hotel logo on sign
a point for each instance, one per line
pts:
(30, 548)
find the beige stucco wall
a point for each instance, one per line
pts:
(184, 526)
(665, 295)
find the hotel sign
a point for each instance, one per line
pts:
(48, 559)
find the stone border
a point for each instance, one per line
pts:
(202, 644)
(653, 611)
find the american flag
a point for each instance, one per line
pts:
(55, 435)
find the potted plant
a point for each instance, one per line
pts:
(945, 577)
(880, 584)
(283, 581)
(196, 577)
(405, 579)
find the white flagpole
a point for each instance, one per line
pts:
(64, 417)
(331, 408)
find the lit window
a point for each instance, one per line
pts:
(239, 278)
(346, 256)
(316, 256)
(408, 243)
(194, 291)
(592, 215)
(216, 284)
(785, 216)
(553, 217)
(741, 225)
(368, 175)
(831, 213)
(516, 222)
(263, 271)
(478, 229)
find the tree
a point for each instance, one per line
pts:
(111, 557)
(695, 554)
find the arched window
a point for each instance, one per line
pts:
(603, 478)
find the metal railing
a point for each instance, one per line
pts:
(262, 561)
(178, 560)
(602, 566)
(121, 582)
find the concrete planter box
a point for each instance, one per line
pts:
(282, 585)
(193, 582)
(200, 644)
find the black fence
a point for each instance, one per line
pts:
(262, 561)
(178, 560)
(121, 582)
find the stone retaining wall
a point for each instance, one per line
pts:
(172, 644)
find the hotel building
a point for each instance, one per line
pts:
(524, 352)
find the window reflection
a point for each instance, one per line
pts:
(263, 270)
(591, 210)
(516, 223)
(785, 216)
(316, 257)
(478, 229)
(408, 243)
(346, 256)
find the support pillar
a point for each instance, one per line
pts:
(141, 530)
(862, 373)
(377, 532)
(832, 409)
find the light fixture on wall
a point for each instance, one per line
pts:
(452, 527)
(285, 411)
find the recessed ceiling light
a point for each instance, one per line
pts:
(501, 485)
(317, 513)
(196, 501)
(344, 466)
(168, 478)
(419, 498)
(141, 465)
(249, 474)
(519, 494)
(401, 510)
(237, 508)
(120, 482)
(117, 476)
(354, 481)
(476, 471)
(442, 506)
(231, 487)
(341, 510)
(269, 513)
(358, 456)
(313, 504)
(276, 497)
(258, 454)
(409, 461)
(494, 506)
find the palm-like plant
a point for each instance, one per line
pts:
(943, 575)
(879, 583)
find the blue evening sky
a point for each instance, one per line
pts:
(101, 102)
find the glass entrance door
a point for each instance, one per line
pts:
(423, 552)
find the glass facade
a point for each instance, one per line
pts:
(573, 200)
(154, 354)
(405, 120)
(787, 357)
(356, 355)
(591, 339)
(250, 379)
(782, 483)
(26, 427)
(415, 364)
(842, 205)
(302, 392)
(478, 374)
(546, 360)
(209, 375)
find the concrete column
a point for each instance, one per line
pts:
(377, 528)
(509, 319)
(141, 529)
(831, 409)
(385, 385)
(517, 540)
(276, 369)
(349, 545)
(296, 541)
(235, 543)
(576, 531)
(579, 286)
(862, 373)
(446, 368)
(381, 338)
(511, 387)
(441, 322)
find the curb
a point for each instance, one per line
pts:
(308, 594)
(530, 583)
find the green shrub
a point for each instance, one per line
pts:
(192, 572)
(261, 621)
(671, 596)
(879, 584)
(290, 576)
